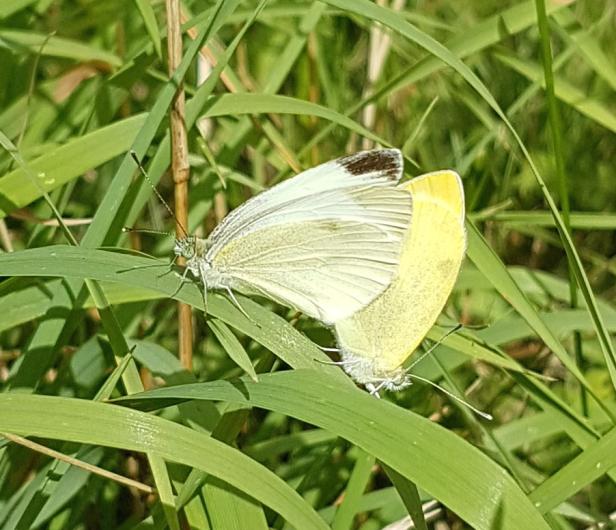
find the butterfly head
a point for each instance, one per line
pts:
(186, 247)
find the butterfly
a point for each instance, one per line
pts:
(375, 341)
(325, 242)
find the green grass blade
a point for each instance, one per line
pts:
(565, 91)
(588, 466)
(237, 104)
(233, 347)
(345, 514)
(578, 220)
(57, 47)
(410, 496)
(556, 133)
(67, 162)
(144, 273)
(553, 112)
(438, 461)
(486, 260)
(149, 20)
(265, 327)
(71, 420)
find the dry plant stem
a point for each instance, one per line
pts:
(314, 94)
(207, 53)
(77, 463)
(180, 167)
(5, 237)
(206, 57)
(204, 69)
(220, 206)
(25, 215)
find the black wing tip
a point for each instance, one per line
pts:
(388, 162)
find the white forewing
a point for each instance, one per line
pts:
(323, 192)
(325, 242)
(326, 269)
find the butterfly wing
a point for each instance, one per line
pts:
(317, 193)
(377, 340)
(327, 243)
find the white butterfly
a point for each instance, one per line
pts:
(325, 242)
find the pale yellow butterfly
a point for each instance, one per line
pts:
(375, 341)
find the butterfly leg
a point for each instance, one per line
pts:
(183, 280)
(169, 269)
(204, 294)
(204, 291)
(374, 390)
(139, 267)
(334, 350)
(237, 304)
(331, 363)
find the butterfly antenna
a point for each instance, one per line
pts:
(160, 197)
(145, 231)
(484, 415)
(453, 330)
(205, 300)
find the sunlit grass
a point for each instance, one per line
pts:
(83, 83)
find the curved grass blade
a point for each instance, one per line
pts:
(57, 47)
(486, 260)
(71, 420)
(67, 162)
(265, 327)
(438, 461)
(588, 466)
(145, 275)
(149, 21)
(237, 104)
(233, 347)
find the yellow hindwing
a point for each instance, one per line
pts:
(388, 330)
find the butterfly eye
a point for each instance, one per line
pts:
(177, 248)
